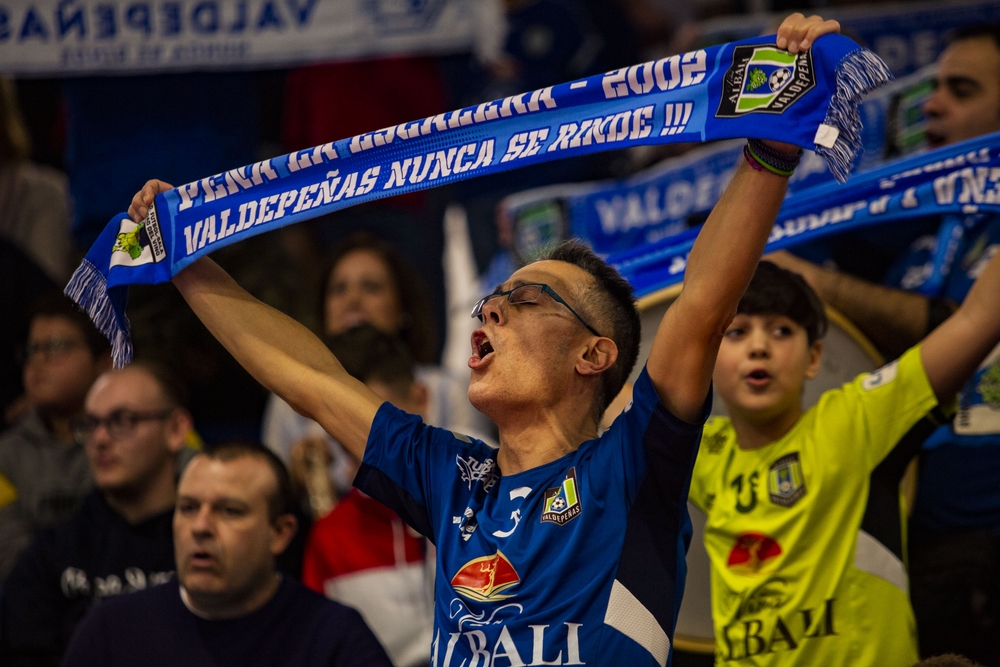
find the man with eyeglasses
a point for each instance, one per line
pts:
(133, 431)
(43, 473)
(564, 546)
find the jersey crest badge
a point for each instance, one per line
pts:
(485, 579)
(715, 442)
(562, 504)
(785, 483)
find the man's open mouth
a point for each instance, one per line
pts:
(481, 345)
(482, 349)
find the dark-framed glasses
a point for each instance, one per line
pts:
(51, 349)
(529, 293)
(119, 424)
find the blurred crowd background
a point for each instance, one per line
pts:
(77, 141)
(76, 148)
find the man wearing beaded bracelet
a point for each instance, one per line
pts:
(762, 157)
(562, 537)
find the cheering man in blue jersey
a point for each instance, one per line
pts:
(562, 547)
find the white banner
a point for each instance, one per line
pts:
(76, 37)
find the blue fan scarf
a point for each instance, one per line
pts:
(649, 206)
(956, 180)
(744, 89)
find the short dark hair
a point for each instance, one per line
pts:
(282, 501)
(777, 291)
(172, 387)
(56, 304)
(977, 31)
(418, 330)
(614, 303)
(369, 354)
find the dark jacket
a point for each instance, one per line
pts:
(295, 628)
(72, 567)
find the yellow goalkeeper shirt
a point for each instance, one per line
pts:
(807, 562)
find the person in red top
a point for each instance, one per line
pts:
(362, 554)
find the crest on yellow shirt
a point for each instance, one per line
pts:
(785, 483)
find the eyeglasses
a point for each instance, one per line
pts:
(54, 348)
(529, 294)
(120, 424)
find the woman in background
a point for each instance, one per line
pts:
(368, 281)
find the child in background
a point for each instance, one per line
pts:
(806, 547)
(368, 281)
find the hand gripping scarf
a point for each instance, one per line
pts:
(744, 89)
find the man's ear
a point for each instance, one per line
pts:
(600, 355)
(815, 359)
(179, 424)
(283, 529)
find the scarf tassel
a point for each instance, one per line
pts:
(858, 73)
(89, 289)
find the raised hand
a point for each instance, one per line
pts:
(797, 33)
(143, 199)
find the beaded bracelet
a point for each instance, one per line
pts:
(764, 158)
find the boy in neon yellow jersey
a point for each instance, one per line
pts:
(804, 515)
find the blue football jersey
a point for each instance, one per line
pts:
(947, 265)
(576, 562)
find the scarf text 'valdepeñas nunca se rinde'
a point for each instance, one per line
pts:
(744, 89)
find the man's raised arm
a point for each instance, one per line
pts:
(892, 319)
(952, 352)
(280, 353)
(720, 266)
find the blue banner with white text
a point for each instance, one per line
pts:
(664, 200)
(750, 88)
(959, 179)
